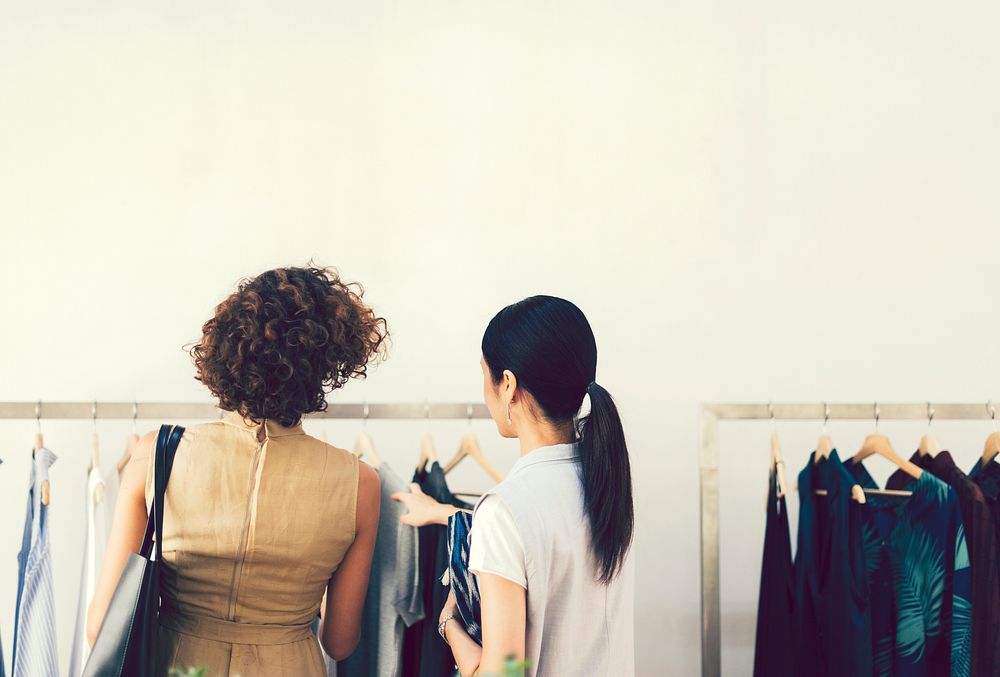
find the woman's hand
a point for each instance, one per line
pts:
(421, 509)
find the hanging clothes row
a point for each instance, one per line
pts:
(885, 582)
(408, 583)
(399, 635)
(34, 651)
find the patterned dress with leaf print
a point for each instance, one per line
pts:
(919, 578)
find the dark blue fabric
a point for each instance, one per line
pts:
(775, 606)
(463, 582)
(833, 624)
(917, 567)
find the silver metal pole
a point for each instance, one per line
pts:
(198, 410)
(711, 657)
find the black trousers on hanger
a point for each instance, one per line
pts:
(773, 652)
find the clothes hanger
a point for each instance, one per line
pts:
(469, 447)
(777, 462)
(824, 445)
(365, 446)
(929, 445)
(877, 443)
(39, 443)
(95, 456)
(95, 447)
(992, 446)
(131, 442)
(427, 452)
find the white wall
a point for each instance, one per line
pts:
(788, 201)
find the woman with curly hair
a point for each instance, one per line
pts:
(263, 524)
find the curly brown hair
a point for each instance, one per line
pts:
(284, 339)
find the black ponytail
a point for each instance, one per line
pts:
(607, 480)
(548, 344)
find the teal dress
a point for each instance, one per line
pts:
(917, 568)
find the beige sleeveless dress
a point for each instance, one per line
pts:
(252, 532)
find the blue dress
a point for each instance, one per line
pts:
(832, 618)
(917, 566)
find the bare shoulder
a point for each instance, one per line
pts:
(369, 482)
(133, 481)
(334, 450)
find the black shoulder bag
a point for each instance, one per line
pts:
(126, 642)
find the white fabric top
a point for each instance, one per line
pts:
(575, 624)
(495, 545)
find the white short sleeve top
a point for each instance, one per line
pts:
(495, 545)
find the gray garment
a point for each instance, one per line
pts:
(393, 601)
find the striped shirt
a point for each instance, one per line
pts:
(34, 652)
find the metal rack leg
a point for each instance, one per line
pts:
(711, 659)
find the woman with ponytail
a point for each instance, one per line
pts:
(550, 544)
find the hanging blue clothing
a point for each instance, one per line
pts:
(34, 653)
(918, 565)
(832, 618)
(775, 603)
(463, 582)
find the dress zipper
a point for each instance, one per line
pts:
(245, 536)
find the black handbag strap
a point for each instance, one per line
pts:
(166, 447)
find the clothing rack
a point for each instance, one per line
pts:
(41, 410)
(712, 414)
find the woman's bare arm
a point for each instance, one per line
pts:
(127, 529)
(504, 610)
(340, 628)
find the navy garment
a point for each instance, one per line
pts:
(425, 654)
(832, 618)
(462, 581)
(987, 478)
(773, 656)
(919, 577)
(981, 542)
(878, 519)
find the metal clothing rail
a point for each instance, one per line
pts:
(198, 410)
(711, 414)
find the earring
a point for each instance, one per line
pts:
(508, 413)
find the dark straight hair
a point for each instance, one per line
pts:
(548, 344)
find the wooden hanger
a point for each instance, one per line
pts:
(39, 443)
(365, 447)
(469, 447)
(929, 445)
(427, 453)
(778, 464)
(992, 446)
(824, 445)
(877, 443)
